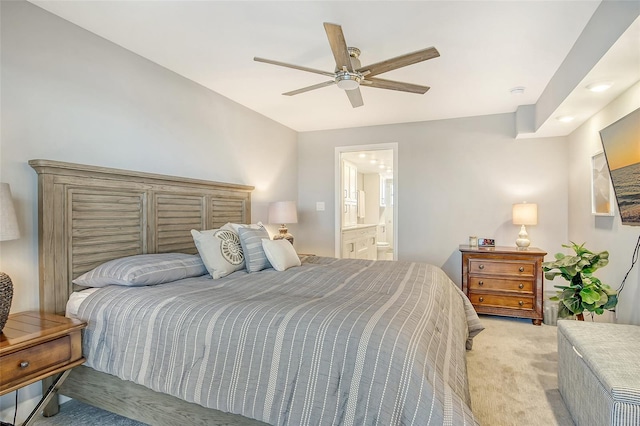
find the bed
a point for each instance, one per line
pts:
(332, 341)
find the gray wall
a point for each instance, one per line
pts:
(457, 178)
(598, 232)
(70, 95)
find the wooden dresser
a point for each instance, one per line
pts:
(504, 281)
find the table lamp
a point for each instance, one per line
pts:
(283, 212)
(524, 214)
(8, 231)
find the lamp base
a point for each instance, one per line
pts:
(6, 295)
(523, 242)
(283, 234)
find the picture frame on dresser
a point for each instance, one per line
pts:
(601, 186)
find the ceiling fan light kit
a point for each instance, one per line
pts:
(349, 74)
(348, 80)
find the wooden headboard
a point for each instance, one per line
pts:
(88, 215)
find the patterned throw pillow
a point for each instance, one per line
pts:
(251, 241)
(220, 251)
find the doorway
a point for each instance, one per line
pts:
(366, 214)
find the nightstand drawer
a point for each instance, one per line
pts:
(24, 363)
(518, 286)
(490, 267)
(480, 300)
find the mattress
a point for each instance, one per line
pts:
(75, 300)
(334, 341)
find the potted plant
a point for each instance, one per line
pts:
(584, 292)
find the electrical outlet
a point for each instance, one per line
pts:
(320, 206)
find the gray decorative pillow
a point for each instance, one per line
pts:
(143, 269)
(251, 241)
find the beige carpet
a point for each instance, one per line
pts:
(513, 374)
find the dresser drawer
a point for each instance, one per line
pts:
(495, 300)
(493, 267)
(36, 359)
(512, 285)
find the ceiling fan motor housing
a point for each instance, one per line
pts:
(345, 79)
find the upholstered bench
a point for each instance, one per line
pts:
(599, 372)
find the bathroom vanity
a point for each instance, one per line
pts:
(359, 242)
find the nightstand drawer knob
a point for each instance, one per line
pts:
(480, 266)
(481, 299)
(521, 269)
(24, 364)
(521, 303)
(480, 282)
(521, 285)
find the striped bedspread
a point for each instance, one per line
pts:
(349, 342)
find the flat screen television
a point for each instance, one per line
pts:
(621, 144)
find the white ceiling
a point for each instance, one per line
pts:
(371, 161)
(486, 48)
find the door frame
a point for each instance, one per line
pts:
(393, 146)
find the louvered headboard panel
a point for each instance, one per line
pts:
(89, 215)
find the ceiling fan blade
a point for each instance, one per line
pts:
(355, 97)
(338, 46)
(297, 67)
(400, 61)
(306, 89)
(379, 83)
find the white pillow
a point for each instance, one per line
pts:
(220, 251)
(281, 254)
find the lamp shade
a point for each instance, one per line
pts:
(8, 222)
(525, 214)
(283, 212)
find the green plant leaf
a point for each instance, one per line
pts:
(573, 305)
(551, 275)
(589, 295)
(604, 298)
(562, 287)
(558, 256)
(569, 293)
(611, 303)
(563, 312)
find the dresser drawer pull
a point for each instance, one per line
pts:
(521, 303)
(520, 285)
(24, 364)
(481, 299)
(481, 266)
(521, 269)
(480, 282)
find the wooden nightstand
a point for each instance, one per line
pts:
(504, 281)
(34, 346)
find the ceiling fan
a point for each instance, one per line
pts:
(349, 74)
